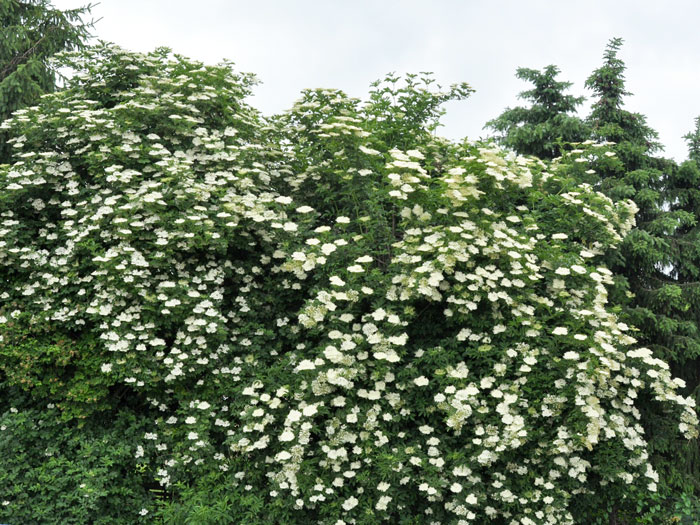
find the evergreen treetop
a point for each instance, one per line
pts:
(608, 120)
(549, 121)
(693, 140)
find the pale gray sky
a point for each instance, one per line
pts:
(296, 44)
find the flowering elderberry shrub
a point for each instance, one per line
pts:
(329, 316)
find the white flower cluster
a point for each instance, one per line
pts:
(469, 361)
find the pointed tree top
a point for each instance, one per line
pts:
(693, 140)
(608, 81)
(548, 92)
(550, 121)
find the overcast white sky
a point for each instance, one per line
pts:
(296, 44)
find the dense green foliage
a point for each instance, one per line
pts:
(663, 303)
(331, 316)
(655, 269)
(33, 31)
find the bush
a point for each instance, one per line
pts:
(331, 316)
(56, 473)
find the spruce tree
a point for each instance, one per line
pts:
(647, 260)
(550, 120)
(682, 338)
(33, 31)
(652, 276)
